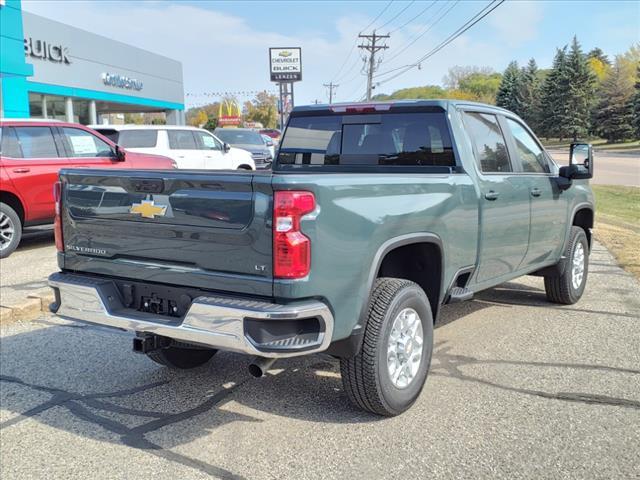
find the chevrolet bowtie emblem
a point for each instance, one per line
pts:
(148, 209)
(285, 54)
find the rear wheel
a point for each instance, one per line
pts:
(181, 357)
(10, 230)
(569, 287)
(388, 374)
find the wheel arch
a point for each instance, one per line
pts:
(14, 202)
(399, 248)
(583, 217)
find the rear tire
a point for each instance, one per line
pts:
(388, 374)
(10, 230)
(567, 288)
(181, 357)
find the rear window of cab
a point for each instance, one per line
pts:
(377, 139)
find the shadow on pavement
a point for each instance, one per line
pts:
(36, 237)
(91, 373)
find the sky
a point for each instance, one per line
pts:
(223, 46)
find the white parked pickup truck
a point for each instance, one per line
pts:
(188, 147)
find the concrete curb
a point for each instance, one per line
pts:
(30, 309)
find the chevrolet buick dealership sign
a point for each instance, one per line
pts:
(285, 64)
(121, 81)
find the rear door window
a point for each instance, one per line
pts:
(488, 141)
(10, 146)
(390, 139)
(138, 138)
(182, 140)
(36, 142)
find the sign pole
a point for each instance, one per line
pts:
(281, 105)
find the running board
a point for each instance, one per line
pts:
(459, 294)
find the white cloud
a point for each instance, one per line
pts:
(517, 21)
(222, 52)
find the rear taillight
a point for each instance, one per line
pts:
(291, 248)
(57, 223)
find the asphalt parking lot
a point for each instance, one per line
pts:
(519, 388)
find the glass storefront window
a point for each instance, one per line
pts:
(81, 111)
(53, 105)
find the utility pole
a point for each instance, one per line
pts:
(372, 47)
(331, 86)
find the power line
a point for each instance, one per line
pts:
(372, 47)
(446, 9)
(356, 41)
(470, 23)
(379, 15)
(412, 19)
(395, 16)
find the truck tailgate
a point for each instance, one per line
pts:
(206, 230)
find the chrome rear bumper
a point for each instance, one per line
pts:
(216, 322)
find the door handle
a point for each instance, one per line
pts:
(22, 170)
(536, 192)
(491, 195)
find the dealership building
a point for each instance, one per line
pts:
(52, 70)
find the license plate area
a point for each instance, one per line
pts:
(159, 300)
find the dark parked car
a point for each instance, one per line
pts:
(247, 139)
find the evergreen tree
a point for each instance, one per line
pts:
(581, 91)
(509, 94)
(553, 103)
(635, 104)
(530, 94)
(614, 112)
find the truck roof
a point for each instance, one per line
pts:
(443, 103)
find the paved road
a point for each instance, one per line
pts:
(25, 271)
(518, 389)
(610, 168)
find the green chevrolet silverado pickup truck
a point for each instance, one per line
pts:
(374, 217)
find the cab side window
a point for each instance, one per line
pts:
(10, 146)
(530, 154)
(181, 140)
(83, 144)
(36, 142)
(490, 145)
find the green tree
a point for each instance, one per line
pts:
(530, 91)
(635, 102)
(509, 93)
(483, 86)
(425, 92)
(457, 74)
(264, 109)
(614, 111)
(580, 93)
(553, 105)
(199, 119)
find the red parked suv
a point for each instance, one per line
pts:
(32, 152)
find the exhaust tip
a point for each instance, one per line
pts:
(259, 366)
(255, 370)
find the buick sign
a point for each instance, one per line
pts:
(121, 81)
(46, 51)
